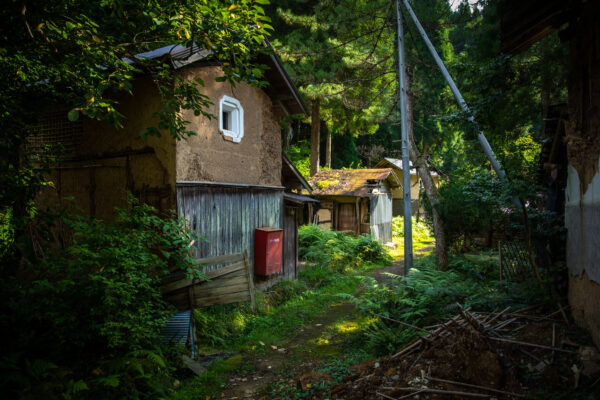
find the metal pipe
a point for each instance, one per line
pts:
(485, 145)
(408, 248)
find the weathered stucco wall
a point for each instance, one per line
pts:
(397, 193)
(107, 162)
(582, 211)
(209, 156)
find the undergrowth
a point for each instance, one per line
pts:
(427, 295)
(421, 236)
(335, 262)
(338, 251)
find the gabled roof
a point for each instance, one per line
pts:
(352, 182)
(397, 164)
(281, 89)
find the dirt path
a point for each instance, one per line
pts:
(314, 343)
(274, 367)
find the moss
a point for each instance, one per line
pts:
(327, 183)
(212, 382)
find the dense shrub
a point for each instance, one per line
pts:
(338, 250)
(473, 205)
(427, 294)
(420, 229)
(84, 319)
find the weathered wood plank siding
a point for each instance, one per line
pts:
(227, 215)
(290, 243)
(381, 217)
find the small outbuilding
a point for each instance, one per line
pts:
(415, 185)
(357, 200)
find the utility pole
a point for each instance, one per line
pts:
(408, 247)
(485, 145)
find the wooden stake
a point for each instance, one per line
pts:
(438, 391)
(402, 323)
(476, 387)
(539, 346)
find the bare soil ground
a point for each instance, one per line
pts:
(462, 356)
(302, 353)
(293, 362)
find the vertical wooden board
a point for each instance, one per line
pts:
(250, 281)
(227, 216)
(347, 217)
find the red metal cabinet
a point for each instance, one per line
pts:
(267, 250)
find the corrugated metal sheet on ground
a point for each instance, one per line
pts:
(177, 328)
(226, 216)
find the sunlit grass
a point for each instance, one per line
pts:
(422, 237)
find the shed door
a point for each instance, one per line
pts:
(347, 217)
(290, 242)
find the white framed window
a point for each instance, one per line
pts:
(231, 119)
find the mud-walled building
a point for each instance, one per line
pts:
(226, 180)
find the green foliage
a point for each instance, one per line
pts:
(426, 295)
(336, 250)
(78, 55)
(285, 307)
(420, 229)
(299, 154)
(211, 383)
(6, 232)
(473, 204)
(85, 317)
(291, 303)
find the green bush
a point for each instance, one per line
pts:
(420, 229)
(426, 295)
(84, 319)
(338, 250)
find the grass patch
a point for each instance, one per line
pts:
(422, 236)
(337, 262)
(211, 383)
(427, 295)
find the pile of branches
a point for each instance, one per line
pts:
(501, 355)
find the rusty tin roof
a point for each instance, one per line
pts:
(351, 182)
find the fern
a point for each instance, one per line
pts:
(427, 295)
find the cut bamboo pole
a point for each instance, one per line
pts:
(438, 391)
(476, 387)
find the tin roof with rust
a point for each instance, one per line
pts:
(351, 182)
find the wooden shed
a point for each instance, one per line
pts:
(357, 200)
(415, 185)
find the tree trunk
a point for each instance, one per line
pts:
(328, 151)
(420, 163)
(315, 137)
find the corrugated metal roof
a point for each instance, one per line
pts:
(351, 182)
(180, 56)
(177, 328)
(297, 198)
(397, 163)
